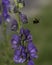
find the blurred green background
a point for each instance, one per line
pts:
(42, 38)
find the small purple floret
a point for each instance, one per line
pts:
(30, 62)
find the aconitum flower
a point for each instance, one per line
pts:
(22, 31)
(32, 50)
(5, 15)
(6, 7)
(5, 12)
(31, 46)
(7, 18)
(26, 35)
(18, 59)
(26, 32)
(15, 40)
(23, 18)
(29, 38)
(17, 52)
(14, 25)
(6, 4)
(30, 62)
(19, 55)
(24, 51)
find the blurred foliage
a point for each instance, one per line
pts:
(42, 37)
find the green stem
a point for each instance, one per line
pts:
(18, 17)
(19, 22)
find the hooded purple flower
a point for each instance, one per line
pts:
(30, 62)
(29, 38)
(6, 7)
(19, 55)
(32, 50)
(14, 25)
(23, 52)
(25, 35)
(5, 15)
(22, 31)
(17, 52)
(6, 4)
(26, 32)
(5, 12)
(18, 59)
(15, 39)
(8, 18)
(23, 18)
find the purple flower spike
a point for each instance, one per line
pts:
(6, 3)
(29, 38)
(23, 52)
(32, 50)
(31, 46)
(26, 32)
(23, 18)
(14, 25)
(22, 60)
(17, 56)
(17, 52)
(18, 59)
(15, 39)
(21, 42)
(5, 13)
(22, 31)
(30, 62)
(8, 18)
(33, 55)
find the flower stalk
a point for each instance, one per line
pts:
(22, 43)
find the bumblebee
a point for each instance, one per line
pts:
(35, 21)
